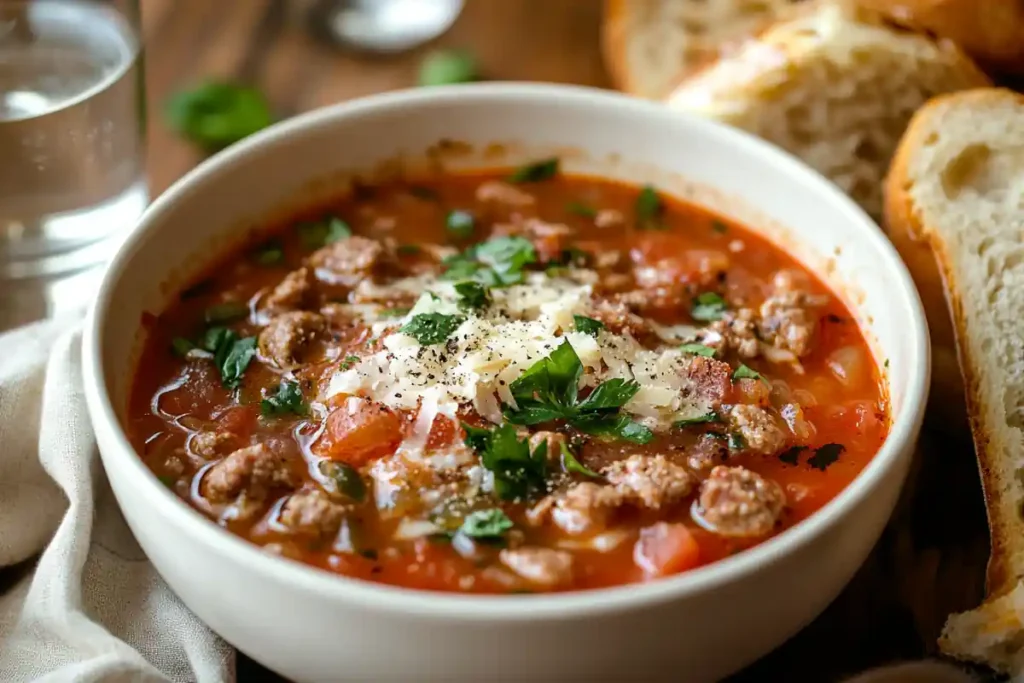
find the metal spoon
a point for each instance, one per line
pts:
(384, 26)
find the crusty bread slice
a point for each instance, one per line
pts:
(991, 31)
(835, 86)
(649, 45)
(957, 187)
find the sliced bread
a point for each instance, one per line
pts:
(649, 45)
(836, 86)
(991, 31)
(956, 188)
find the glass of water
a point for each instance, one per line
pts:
(71, 148)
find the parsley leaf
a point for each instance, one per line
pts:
(649, 209)
(825, 456)
(181, 346)
(394, 312)
(700, 419)
(214, 115)
(288, 399)
(549, 390)
(492, 523)
(349, 362)
(517, 471)
(744, 372)
(571, 464)
(444, 67)
(707, 307)
(321, 233)
(460, 224)
(431, 328)
(226, 312)
(587, 325)
(535, 172)
(737, 442)
(472, 294)
(498, 262)
(347, 480)
(231, 355)
(698, 350)
(270, 254)
(581, 209)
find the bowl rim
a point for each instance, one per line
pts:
(503, 608)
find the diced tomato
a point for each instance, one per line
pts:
(442, 433)
(361, 431)
(239, 420)
(665, 549)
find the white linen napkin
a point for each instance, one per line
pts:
(92, 608)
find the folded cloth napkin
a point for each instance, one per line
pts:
(92, 608)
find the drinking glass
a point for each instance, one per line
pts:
(71, 148)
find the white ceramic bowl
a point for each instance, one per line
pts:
(313, 626)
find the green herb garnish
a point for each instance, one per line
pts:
(825, 456)
(571, 464)
(498, 262)
(321, 233)
(287, 399)
(472, 294)
(231, 355)
(225, 312)
(535, 172)
(707, 307)
(446, 67)
(518, 472)
(460, 224)
(181, 346)
(395, 311)
(549, 390)
(587, 325)
(700, 419)
(270, 254)
(349, 362)
(214, 115)
(649, 209)
(431, 328)
(346, 478)
(489, 524)
(737, 442)
(791, 456)
(698, 350)
(581, 209)
(408, 249)
(745, 372)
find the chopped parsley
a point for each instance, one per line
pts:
(214, 114)
(472, 294)
(698, 350)
(287, 399)
(321, 233)
(270, 254)
(581, 209)
(517, 471)
(699, 419)
(825, 456)
(535, 172)
(498, 262)
(408, 249)
(349, 362)
(649, 209)
(431, 328)
(445, 67)
(587, 325)
(347, 480)
(736, 441)
(489, 524)
(574, 466)
(394, 312)
(707, 307)
(549, 390)
(181, 346)
(227, 311)
(460, 224)
(231, 355)
(791, 456)
(746, 372)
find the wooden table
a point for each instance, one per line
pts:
(931, 558)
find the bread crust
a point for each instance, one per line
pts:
(614, 29)
(912, 237)
(991, 31)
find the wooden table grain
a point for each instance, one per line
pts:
(931, 558)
